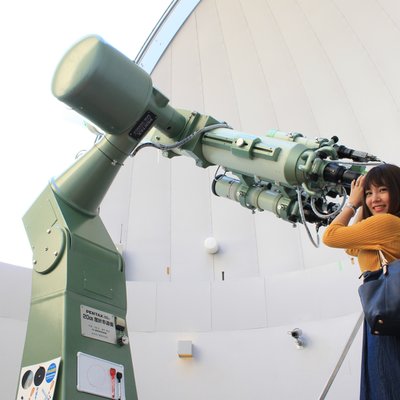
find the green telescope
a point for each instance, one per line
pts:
(116, 95)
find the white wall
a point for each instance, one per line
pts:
(250, 364)
(240, 349)
(15, 291)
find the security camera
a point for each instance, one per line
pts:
(295, 333)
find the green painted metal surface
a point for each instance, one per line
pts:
(75, 264)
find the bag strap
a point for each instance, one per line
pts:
(384, 263)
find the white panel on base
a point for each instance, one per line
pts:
(94, 377)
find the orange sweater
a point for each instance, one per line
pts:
(363, 239)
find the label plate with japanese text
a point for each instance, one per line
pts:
(98, 325)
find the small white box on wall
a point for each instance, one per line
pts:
(185, 348)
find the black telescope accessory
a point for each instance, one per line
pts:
(336, 173)
(323, 207)
(352, 154)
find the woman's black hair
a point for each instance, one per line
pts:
(384, 175)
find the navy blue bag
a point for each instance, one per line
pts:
(380, 298)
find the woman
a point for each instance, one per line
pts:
(376, 196)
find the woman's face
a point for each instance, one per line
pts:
(377, 199)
